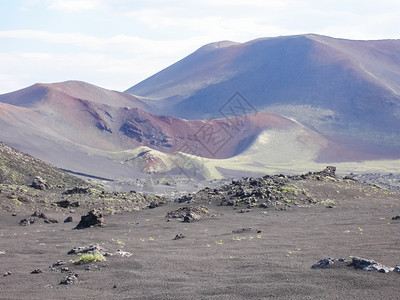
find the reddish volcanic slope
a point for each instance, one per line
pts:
(346, 90)
(76, 113)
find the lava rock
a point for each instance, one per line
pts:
(324, 263)
(192, 217)
(70, 279)
(123, 253)
(181, 213)
(91, 249)
(77, 190)
(93, 218)
(27, 221)
(179, 236)
(39, 183)
(242, 230)
(153, 205)
(8, 273)
(67, 204)
(369, 265)
(44, 217)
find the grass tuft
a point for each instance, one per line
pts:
(88, 258)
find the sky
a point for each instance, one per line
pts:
(118, 43)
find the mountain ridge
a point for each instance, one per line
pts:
(271, 103)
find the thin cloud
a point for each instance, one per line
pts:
(75, 5)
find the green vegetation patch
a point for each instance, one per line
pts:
(88, 258)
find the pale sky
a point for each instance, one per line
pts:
(117, 43)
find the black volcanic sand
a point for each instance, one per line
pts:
(211, 262)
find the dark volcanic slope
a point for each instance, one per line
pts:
(334, 85)
(20, 168)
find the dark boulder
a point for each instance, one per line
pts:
(324, 263)
(93, 218)
(39, 183)
(67, 203)
(192, 217)
(27, 221)
(77, 190)
(369, 265)
(70, 279)
(45, 218)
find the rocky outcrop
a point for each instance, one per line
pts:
(45, 218)
(27, 221)
(357, 263)
(39, 183)
(103, 126)
(77, 190)
(370, 265)
(67, 203)
(91, 249)
(188, 214)
(70, 279)
(35, 216)
(143, 131)
(192, 217)
(93, 218)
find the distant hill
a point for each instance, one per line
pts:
(287, 103)
(20, 168)
(343, 89)
(87, 129)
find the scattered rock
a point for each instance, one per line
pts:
(397, 269)
(123, 253)
(70, 279)
(329, 171)
(179, 236)
(93, 218)
(58, 264)
(67, 203)
(324, 263)
(23, 199)
(369, 265)
(39, 183)
(185, 198)
(396, 218)
(44, 217)
(277, 192)
(192, 213)
(242, 230)
(67, 220)
(77, 190)
(27, 221)
(192, 217)
(37, 271)
(8, 273)
(64, 269)
(91, 249)
(153, 205)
